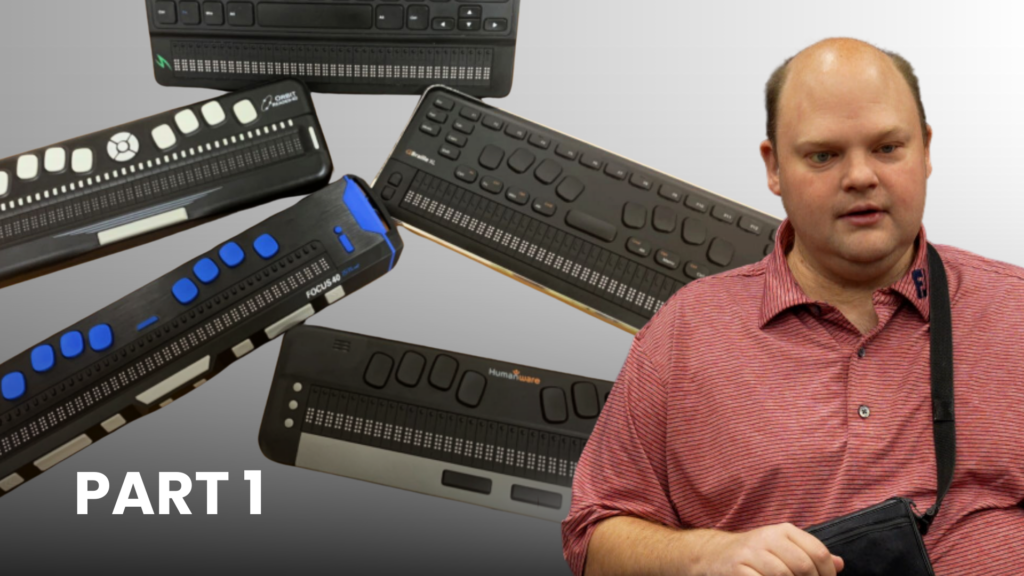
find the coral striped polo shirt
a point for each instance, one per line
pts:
(743, 403)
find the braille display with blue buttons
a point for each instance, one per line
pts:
(155, 344)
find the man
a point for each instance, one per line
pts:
(795, 390)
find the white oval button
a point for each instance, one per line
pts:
(163, 137)
(245, 111)
(28, 166)
(55, 159)
(213, 113)
(81, 160)
(186, 121)
(4, 183)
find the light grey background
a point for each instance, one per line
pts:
(675, 84)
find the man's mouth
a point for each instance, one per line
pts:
(863, 214)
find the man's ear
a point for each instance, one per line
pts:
(771, 166)
(928, 149)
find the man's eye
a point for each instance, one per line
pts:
(887, 149)
(821, 157)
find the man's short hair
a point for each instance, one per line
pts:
(773, 89)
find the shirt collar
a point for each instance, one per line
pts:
(781, 291)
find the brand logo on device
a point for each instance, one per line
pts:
(162, 62)
(279, 100)
(513, 375)
(421, 157)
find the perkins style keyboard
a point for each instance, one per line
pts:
(601, 232)
(462, 427)
(162, 341)
(212, 158)
(361, 46)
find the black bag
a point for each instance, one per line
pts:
(885, 539)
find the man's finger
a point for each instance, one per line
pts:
(766, 562)
(818, 552)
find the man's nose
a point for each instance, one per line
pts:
(860, 175)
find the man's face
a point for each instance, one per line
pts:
(850, 161)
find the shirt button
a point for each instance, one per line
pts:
(864, 411)
(862, 352)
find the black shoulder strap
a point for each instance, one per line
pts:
(943, 423)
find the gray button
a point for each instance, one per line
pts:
(862, 352)
(864, 411)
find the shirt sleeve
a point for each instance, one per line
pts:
(622, 470)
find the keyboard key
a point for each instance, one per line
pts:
(591, 225)
(28, 167)
(464, 127)
(5, 183)
(634, 215)
(240, 14)
(390, 17)
(456, 139)
(437, 116)
(442, 375)
(186, 121)
(553, 405)
(566, 151)
(206, 270)
(388, 193)
(468, 482)
(667, 259)
(244, 111)
(536, 496)
(751, 225)
(694, 231)
(540, 141)
(430, 128)
(470, 114)
(101, 337)
(664, 219)
(493, 122)
(378, 370)
(670, 193)
(471, 389)
(418, 18)
(641, 181)
(696, 271)
(266, 246)
(185, 291)
(444, 103)
(43, 358)
(449, 152)
(231, 254)
(638, 247)
(521, 160)
(517, 132)
(163, 137)
(165, 12)
(189, 12)
(591, 161)
(544, 208)
(469, 25)
(772, 235)
(55, 159)
(410, 369)
(466, 174)
(470, 12)
(492, 185)
(725, 214)
(491, 157)
(444, 24)
(548, 171)
(213, 113)
(518, 197)
(81, 160)
(570, 189)
(213, 13)
(616, 171)
(13, 386)
(395, 179)
(72, 344)
(720, 252)
(495, 24)
(697, 203)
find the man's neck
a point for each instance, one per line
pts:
(848, 286)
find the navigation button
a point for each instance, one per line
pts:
(694, 231)
(206, 270)
(186, 121)
(469, 25)
(638, 247)
(185, 291)
(442, 375)
(122, 147)
(55, 159)
(720, 252)
(378, 370)
(213, 113)
(553, 406)
(231, 254)
(5, 183)
(471, 389)
(496, 24)
(411, 368)
(569, 189)
(548, 171)
(43, 358)
(585, 400)
(664, 219)
(266, 246)
(466, 482)
(101, 337)
(521, 160)
(28, 167)
(244, 111)
(491, 157)
(81, 160)
(667, 259)
(591, 225)
(72, 344)
(470, 11)
(13, 386)
(634, 215)
(163, 137)
(543, 498)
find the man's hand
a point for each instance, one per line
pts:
(778, 550)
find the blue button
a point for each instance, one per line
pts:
(347, 244)
(206, 270)
(72, 344)
(337, 229)
(13, 386)
(231, 254)
(147, 323)
(185, 291)
(101, 337)
(43, 358)
(265, 246)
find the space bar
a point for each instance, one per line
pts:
(279, 15)
(591, 225)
